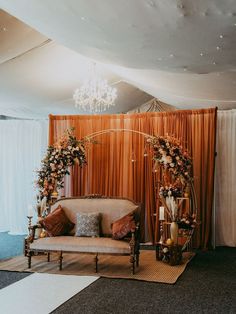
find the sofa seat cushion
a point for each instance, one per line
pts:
(81, 245)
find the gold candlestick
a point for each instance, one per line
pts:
(161, 232)
(29, 222)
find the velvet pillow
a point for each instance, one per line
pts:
(123, 226)
(88, 225)
(57, 223)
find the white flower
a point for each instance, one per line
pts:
(163, 159)
(172, 165)
(53, 167)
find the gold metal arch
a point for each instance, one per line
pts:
(106, 131)
(102, 132)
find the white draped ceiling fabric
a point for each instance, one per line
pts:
(181, 52)
(226, 179)
(22, 145)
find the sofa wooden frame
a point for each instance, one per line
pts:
(133, 239)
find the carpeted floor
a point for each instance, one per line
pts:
(208, 285)
(31, 287)
(108, 266)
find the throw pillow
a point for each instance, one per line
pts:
(123, 226)
(88, 225)
(57, 223)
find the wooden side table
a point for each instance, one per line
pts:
(171, 254)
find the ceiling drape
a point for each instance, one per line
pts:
(117, 165)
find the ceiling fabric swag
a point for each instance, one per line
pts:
(112, 169)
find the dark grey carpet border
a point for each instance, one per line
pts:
(207, 286)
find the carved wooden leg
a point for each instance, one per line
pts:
(137, 259)
(96, 263)
(132, 254)
(137, 252)
(29, 254)
(132, 261)
(60, 261)
(26, 246)
(48, 254)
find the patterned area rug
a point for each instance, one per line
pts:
(108, 266)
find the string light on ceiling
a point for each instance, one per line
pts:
(95, 95)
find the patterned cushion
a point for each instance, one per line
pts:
(57, 223)
(88, 225)
(123, 226)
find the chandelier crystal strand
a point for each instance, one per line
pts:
(95, 95)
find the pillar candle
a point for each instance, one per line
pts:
(161, 213)
(30, 210)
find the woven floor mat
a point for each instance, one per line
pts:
(108, 266)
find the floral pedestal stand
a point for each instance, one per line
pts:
(171, 254)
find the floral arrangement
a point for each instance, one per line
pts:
(187, 221)
(170, 190)
(65, 153)
(170, 154)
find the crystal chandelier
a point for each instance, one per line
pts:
(95, 95)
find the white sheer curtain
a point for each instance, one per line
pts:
(226, 179)
(22, 144)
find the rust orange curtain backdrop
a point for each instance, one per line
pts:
(117, 165)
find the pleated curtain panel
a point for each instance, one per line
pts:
(225, 190)
(22, 146)
(117, 166)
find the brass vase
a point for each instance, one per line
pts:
(174, 230)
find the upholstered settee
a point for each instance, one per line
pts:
(112, 213)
